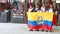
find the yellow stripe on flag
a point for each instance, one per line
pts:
(45, 15)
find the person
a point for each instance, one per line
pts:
(48, 25)
(37, 7)
(43, 7)
(51, 8)
(28, 3)
(31, 8)
(35, 26)
(55, 16)
(59, 16)
(47, 4)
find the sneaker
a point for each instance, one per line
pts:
(37, 30)
(30, 30)
(46, 30)
(50, 31)
(42, 30)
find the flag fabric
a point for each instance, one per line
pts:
(40, 20)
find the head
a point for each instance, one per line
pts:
(51, 6)
(43, 4)
(36, 5)
(57, 6)
(47, 4)
(31, 5)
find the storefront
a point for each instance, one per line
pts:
(17, 12)
(21, 7)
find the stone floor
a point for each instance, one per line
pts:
(17, 28)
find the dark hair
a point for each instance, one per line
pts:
(37, 5)
(32, 4)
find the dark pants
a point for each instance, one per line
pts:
(59, 19)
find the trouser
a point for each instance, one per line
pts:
(59, 19)
(54, 20)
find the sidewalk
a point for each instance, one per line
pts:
(16, 28)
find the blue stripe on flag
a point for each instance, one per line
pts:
(48, 23)
(33, 23)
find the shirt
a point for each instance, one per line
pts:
(36, 8)
(29, 10)
(43, 8)
(50, 10)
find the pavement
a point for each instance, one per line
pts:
(17, 28)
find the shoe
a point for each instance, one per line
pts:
(37, 30)
(30, 30)
(42, 30)
(46, 30)
(50, 31)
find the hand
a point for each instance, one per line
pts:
(39, 11)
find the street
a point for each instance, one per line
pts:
(17, 28)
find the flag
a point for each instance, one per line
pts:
(33, 19)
